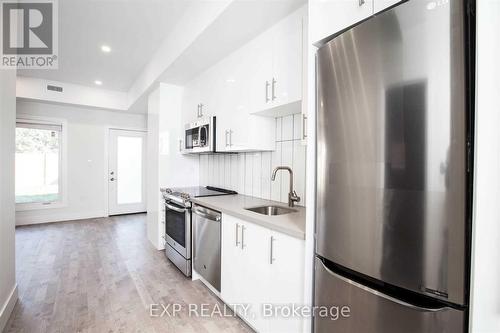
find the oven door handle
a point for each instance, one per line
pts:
(175, 209)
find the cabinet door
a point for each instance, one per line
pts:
(231, 283)
(259, 72)
(209, 92)
(286, 81)
(190, 103)
(327, 17)
(222, 128)
(379, 5)
(286, 279)
(254, 273)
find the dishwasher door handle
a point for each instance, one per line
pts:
(207, 216)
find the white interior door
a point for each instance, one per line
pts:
(127, 172)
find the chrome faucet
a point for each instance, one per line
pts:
(292, 195)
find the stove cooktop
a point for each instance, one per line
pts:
(197, 191)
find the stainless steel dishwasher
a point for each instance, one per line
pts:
(207, 244)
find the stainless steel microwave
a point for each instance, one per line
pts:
(200, 136)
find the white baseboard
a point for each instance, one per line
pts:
(35, 217)
(7, 308)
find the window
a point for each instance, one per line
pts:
(38, 163)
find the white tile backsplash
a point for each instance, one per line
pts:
(287, 128)
(257, 172)
(297, 126)
(278, 129)
(227, 171)
(276, 184)
(286, 160)
(264, 176)
(250, 173)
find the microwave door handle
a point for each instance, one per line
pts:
(203, 128)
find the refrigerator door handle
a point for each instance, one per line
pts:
(379, 294)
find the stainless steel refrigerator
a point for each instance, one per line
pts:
(393, 171)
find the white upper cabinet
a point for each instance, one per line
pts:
(190, 103)
(379, 5)
(286, 79)
(327, 17)
(264, 74)
(260, 71)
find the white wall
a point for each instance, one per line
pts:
(250, 173)
(153, 174)
(8, 287)
(485, 302)
(167, 167)
(87, 131)
(36, 89)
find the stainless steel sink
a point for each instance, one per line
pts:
(271, 210)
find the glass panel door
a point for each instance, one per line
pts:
(126, 177)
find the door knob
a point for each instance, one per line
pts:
(112, 179)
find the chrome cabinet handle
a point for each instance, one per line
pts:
(230, 138)
(271, 254)
(273, 95)
(180, 145)
(243, 237)
(227, 143)
(198, 111)
(267, 91)
(237, 228)
(361, 2)
(304, 126)
(201, 110)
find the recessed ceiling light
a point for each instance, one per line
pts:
(105, 48)
(98, 82)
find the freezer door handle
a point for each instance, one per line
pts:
(379, 294)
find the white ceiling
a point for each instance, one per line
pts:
(132, 28)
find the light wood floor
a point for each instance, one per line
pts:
(101, 275)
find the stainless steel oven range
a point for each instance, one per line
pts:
(178, 224)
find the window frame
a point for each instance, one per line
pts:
(62, 202)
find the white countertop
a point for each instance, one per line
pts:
(292, 224)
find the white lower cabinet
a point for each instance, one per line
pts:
(262, 272)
